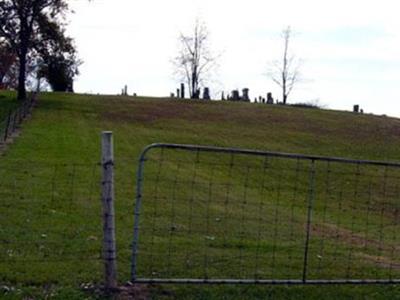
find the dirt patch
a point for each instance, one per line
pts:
(380, 261)
(342, 235)
(346, 236)
(313, 122)
(124, 292)
(133, 291)
(190, 110)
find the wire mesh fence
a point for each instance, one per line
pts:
(50, 223)
(206, 215)
(216, 215)
(15, 117)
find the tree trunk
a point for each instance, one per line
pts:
(22, 75)
(284, 95)
(194, 85)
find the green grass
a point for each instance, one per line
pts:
(51, 206)
(8, 101)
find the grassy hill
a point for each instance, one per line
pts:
(50, 224)
(140, 121)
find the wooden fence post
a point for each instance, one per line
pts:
(109, 248)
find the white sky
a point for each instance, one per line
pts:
(350, 49)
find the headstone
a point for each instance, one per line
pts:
(206, 94)
(222, 95)
(255, 100)
(172, 95)
(263, 100)
(356, 108)
(235, 95)
(245, 96)
(182, 90)
(134, 95)
(270, 100)
(361, 111)
(196, 94)
(177, 93)
(126, 90)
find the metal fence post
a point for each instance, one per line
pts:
(7, 126)
(109, 247)
(311, 196)
(14, 121)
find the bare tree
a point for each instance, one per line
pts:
(285, 72)
(195, 62)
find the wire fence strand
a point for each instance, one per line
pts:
(232, 215)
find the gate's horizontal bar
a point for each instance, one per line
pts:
(266, 153)
(266, 282)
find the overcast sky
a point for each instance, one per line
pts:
(350, 49)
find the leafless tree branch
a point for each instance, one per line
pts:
(194, 61)
(286, 72)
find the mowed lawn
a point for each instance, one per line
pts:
(8, 102)
(50, 226)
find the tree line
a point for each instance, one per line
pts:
(33, 43)
(34, 46)
(195, 62)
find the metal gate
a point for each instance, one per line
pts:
(223, 215)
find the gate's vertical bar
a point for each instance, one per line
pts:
(109, 248)
(311, 196)
(139, 189)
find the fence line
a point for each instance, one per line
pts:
(51, 221)
(223, 215)
(208, 215)
(15, 117)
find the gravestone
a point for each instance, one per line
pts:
(270, 100)
(196, 94)
(356, 108)
(235, 95)
(245, 96)
(206, 94)
(177, 93)
(222, 96)
(182, 90)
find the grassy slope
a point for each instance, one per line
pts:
(7, 102)
(66, 129)
(142, 121)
